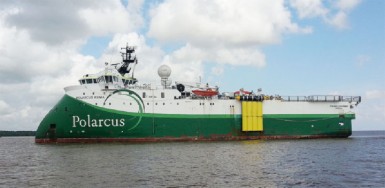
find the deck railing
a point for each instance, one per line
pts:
(321, 98)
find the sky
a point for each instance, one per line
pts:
(284, 47)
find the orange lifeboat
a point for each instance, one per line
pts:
(205, 92)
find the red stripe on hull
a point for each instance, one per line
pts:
(179, 139)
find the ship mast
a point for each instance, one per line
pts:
(128, 58)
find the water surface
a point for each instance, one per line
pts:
(353, 162)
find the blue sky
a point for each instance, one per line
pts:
(285, 47)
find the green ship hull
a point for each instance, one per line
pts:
(72, 120)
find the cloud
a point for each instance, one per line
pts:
(339, 20)
(4, 108)
(221, 55)
(309, 9)
(107, 17)
(22, 59)
(335, 15)
(223, 32)
(56, 22)
(218, 22)
(347, 5)
(62, 24)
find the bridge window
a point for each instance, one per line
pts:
(125, 81)
(101, 79)
(108, 79)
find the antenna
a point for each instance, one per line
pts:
(128, 58)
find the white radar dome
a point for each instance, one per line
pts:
(164, 71)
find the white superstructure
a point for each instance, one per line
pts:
(167, 98)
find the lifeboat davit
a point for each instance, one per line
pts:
(205, 92)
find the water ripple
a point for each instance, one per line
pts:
(353, 162)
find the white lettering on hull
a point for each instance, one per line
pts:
(89, 122)
(89, 97)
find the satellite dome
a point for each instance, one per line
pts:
(164, 71)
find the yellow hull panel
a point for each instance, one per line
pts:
(252, 116)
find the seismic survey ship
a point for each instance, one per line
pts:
(111, 106)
